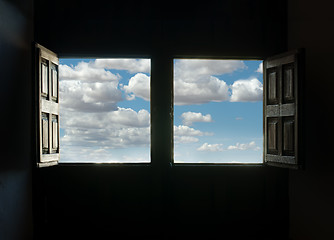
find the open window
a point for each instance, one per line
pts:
(217, 102)
(218, 111)
(104, 105)
(105, 110)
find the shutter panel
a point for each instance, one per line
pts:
(282, 109)
(47, 106)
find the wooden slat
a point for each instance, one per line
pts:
(55, 133)
(54, 80)
(47, 164)
(273, 135)
(48, 54)
(277, 61)
(50, 157)
(272, 89)
(44, 79)
(288, 136)
(287, 109)
(281, 159)
(272, 111)
(49, 107)
(45, 133)
(288, 84)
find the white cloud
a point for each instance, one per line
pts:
(247, 90)
(107, 138)
(89, 97)
(188, 118)
(131, 65)
(186, 131)
(185, 139)
(211, 147)
(185, 134)
(260, 68)
(85, 88)
(85, 72)
(195, 70)
(209, 90)
(139, 85)
(90, 118)
(122, 117)
(244, 146)
(122, 128)
(195, 83)
(99, 155)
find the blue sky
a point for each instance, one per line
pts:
(101, 120)
(105, 110)
(222, 111)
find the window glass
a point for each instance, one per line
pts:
(104, 110)
(218, 111)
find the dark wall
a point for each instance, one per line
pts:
(311, 190)
(16, 34)
(237, 28)
(190, 203)
(159, 201)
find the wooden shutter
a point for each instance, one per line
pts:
(282, 118)
(47, 106)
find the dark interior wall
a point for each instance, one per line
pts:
(16, 34)
(159, 201)
(128, 27)
(311, 190)
(190, 203)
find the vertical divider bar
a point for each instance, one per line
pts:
(50, 99)
(280, 102)
(161, 135)
(161, 110)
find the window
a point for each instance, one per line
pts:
(105, 114)
(218, 111)
(105, 110)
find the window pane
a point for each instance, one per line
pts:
(218, 111)
(104, 110)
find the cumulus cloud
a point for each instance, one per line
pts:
(122, 117)
(188, 118)
(211, 147)
(211, 90)
(244, 146)
(247, 90)
(185, 134)
(108, 138)
(139, 85)
(131, 65)
(260, 68)
(118, 129)
(91, 121)
(195, 83)
(84, 88)
(195, 70)
(89, 97)
(85, 72)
